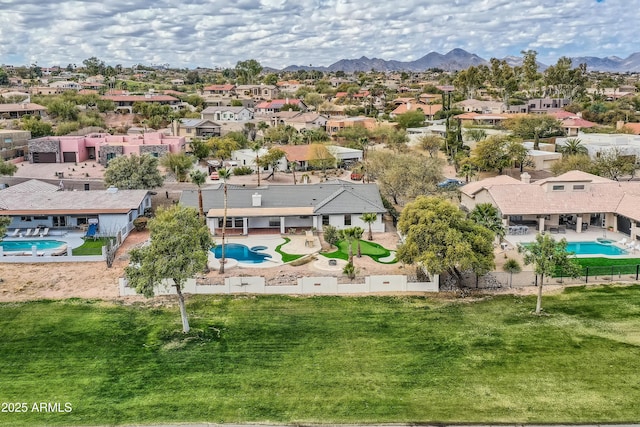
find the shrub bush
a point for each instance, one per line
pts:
(140, 223)
(243, 170)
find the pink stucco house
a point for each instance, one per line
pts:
(101, 146)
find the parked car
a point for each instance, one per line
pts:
(450, 183)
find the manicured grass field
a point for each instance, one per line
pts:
(368, 248)
(327, 359)
(90, 247)
(603, 266)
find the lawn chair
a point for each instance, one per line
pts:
(623, 241)
(36, 232)
(15, 232)
(45, 232)
(28, 233)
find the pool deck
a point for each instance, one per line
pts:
(73, 239)
(296, 245)
(590, 235)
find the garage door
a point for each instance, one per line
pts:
(69, 157)
(44, 157)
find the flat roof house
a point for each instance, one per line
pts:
(278, 208)
(36, 203)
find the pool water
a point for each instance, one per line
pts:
(241, 253)
(594, 248)
(25, 245)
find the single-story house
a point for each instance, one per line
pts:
(15, 111)
(195, 128)
(101, 146)
(279, 208)
(39, 204)
(274, 106)
(599, 143)
(575, 199)
(247, 157)
(125, 102)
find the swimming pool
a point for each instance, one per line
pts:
(594, 248)
(25, 245)
(241, 253)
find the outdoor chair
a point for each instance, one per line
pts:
(623, 241)
(36, 231)
(28, 233)
(45, 232)
(15, 232)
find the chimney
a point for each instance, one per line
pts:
(526, 178)
(256, 200)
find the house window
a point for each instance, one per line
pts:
(238, 222)
(189, 130)
(59, 221)
(274, 221)
(558, 188)
(25, 219)
(347, 220)
(325, 219)
(40, 218)
(578, 187)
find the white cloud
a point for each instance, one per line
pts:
(278, 33)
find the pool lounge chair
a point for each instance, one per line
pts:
(60, 251)
(623, 241)
(36, 232)
(28, 233)
(631, 245)
(15, 232)
(45, 232)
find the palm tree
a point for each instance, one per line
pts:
(198, 178)
(573, 146)
(369, 218)
(468, 170)
(292, 167)
(256, 149)
(357, 235)
(224, 175)
(348, 234)
(488, 216)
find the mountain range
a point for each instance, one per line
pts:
(460, 59)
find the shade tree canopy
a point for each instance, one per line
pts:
(439, 237)
(133, 172)
(178, 250)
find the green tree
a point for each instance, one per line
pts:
(224, 175)
(488, 216)
(548, 255)
(7, 168)
(349, 235)
(178, 163)
(36, 126)
(256, 147)
(330, 234)
(4, 224)
(511, 266)
(517, 153)
(578, 162)
(199, 178)
(271, 159)
(200, 148)
(133, 172)
(178, 250)
(357, 235)
(93, 66)
(4, 77)
(614, 165)
(411, 119)
(320, 157)
(439, 237)
(247, 71)
(491, 154)
(369, 218)
(534, 126)
(467, 169)
(314, 100)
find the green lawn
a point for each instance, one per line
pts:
(603, 266)
(327, 359)
(368, 248)
(90, 247)
(285, 256)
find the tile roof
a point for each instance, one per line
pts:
(331, 197)
(29, 106)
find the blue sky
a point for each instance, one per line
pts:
(210, 33)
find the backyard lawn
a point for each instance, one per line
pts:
(326, 359)
(368, 248)
(90, 247)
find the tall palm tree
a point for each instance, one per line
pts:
(468, 170)
(348, 234)
(256, 149)
(224, 175)
(573, 146)
(369, 218)
(198, 178)
(292, 167)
